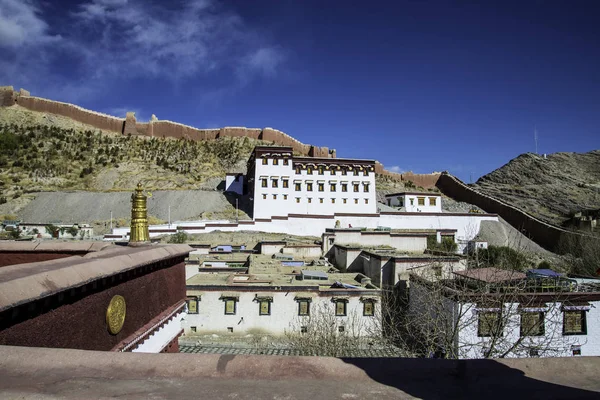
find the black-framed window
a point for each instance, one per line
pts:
(263, 182)
(303, 307)
(489, 323)
(285, 183)
(366, 187)
(275, 161)
(286, 161)
(341, 307)
(264, 307)
(344, 187)
(532, 324)
(321, 187)
(297, 187)
(321, 171)
(332, 187)
(344, 172)
(192, 305)
(574, 322)
(332, 172)
(356, 187)
(366, 172)
(368, 308)
(274, 183)
(355, 172)
(230, 305)
(265, 161)
(309, 187)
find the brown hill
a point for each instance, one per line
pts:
(551, 188)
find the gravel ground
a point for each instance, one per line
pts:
(82, 207)
(502, 233)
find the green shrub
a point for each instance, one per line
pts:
(179, 238)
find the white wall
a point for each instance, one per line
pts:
(411, 203)
(159, 339)
(211, 316)
(265, 206)
(552, 344)
(467, 226)
(557, 344)
(303, 251)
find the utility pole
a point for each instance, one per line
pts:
(110, 221)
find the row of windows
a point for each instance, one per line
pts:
(420, 201)
(532, 323)
(285, 161)
(309, 185)
(309, 199)
(320, 169)
(333, 172)
(264, 307)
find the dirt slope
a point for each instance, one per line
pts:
(550, 188)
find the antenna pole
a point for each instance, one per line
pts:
(535, 137)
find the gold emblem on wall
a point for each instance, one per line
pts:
(115, 314)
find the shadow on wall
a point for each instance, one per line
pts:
(474, 379)
(243, 203)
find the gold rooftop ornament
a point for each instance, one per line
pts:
(139, 217)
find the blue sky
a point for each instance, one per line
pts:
(418, 85)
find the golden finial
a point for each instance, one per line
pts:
(139, 216)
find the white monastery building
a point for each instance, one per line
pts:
(281, 184)
(415, 201)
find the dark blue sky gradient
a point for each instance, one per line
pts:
(419, 85)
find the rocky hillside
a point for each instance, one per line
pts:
(551, 188)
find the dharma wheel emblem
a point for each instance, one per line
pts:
(115, 314)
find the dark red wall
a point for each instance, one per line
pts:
(10, 258)
(79, 318)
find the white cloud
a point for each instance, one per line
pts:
(107, 41)
(396, 168)
(21, 24)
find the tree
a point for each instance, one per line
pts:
(52, 230)
(322, 333)
(179, 237)
(72, 230)
(463, 318)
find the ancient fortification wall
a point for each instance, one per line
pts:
(164, 128)
(544, 234)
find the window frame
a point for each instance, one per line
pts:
(275, 161)
(189, 300)
(372, 304)
(264, 182)
(285, 183)
(228, 299)
(274, 183)
(260, 307)
(541, 331)
(265, 161)
(366, 187)
(286, 161)
(492, 331)
(309, 186)
(421, 201)
(433, 201)
(300, 302)
(345, 311)
(583, 321)
(321, 187)
(356, 187)
(298, 186)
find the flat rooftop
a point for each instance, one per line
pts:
(27, 372)
(231, 281)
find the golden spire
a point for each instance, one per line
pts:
(139, 217)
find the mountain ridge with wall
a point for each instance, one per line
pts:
(164, 128)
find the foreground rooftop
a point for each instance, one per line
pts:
(75, 374)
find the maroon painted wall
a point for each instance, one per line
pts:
(14, 258)
(79, 320)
